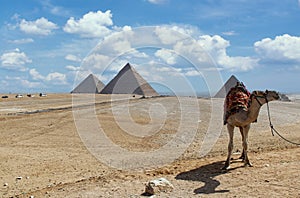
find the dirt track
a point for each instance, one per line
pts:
(47, 152)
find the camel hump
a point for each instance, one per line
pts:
(239, 87)
(237, 99)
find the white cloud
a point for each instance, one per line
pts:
(20, 82)
(40, 26)
(157, 1)
(238, 63)
(176, 47)
(16, 16)
(167, 69)
(55, 10)
(96, 62)
(115, 47)
(21, 41)
(191, 72)
(56, 78)
(168, 56)
(121, 46)
(53, 78)
(92, 24)
(72, 68)
(133, 53)
(172, 78)
(124, 28)
(205, 49)
(72, 57)
(229, 33)
(217, 46)
(117, 42)
(173, 34)
(157, 72)
(36, 75)
(282, 48)
(14, 60)
(28, 84)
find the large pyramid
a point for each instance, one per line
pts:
(128, 81)
(231, 82)
(90, 84)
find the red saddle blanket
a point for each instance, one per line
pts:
(238, 98)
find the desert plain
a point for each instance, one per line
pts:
(43, 152)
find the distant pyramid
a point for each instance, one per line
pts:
(231, 82)
(90, 84)
(128, 81)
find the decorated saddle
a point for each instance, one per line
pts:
(238, 98)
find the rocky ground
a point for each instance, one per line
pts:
(48, 148)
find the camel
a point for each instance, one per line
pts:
(243, 119)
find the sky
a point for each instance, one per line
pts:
(179, 46)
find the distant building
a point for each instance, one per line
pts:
(90, 84)
(231, 82)
(284, 97)
(128, 81)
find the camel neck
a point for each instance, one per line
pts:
(255, 107)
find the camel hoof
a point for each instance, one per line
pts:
(225, 168)
(248, 164)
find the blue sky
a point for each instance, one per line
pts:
(46, 46)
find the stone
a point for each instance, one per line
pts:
(158, 185)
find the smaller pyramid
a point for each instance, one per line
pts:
(128, 81)
(231, 82)
(90, 84)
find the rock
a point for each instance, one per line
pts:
(19, 178)
(157, 186)
(5, 184)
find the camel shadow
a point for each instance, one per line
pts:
(206, 175)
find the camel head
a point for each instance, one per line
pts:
(268, 95)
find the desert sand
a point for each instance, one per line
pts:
(43, 154)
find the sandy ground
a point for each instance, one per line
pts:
(42, 150)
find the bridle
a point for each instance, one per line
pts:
(269, 115)
(257, 96)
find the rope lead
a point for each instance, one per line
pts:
(274, 130)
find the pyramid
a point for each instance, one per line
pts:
(90, 84)
(231, 82)
(128, 81)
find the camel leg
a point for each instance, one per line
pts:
(230, 129)
(245, 145)
(242, 157)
